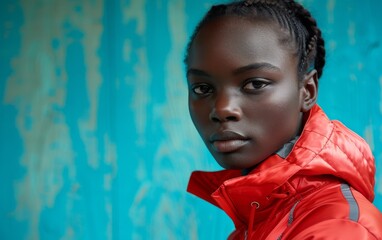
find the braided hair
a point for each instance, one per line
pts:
(290, 15)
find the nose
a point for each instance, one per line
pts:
(226, 108)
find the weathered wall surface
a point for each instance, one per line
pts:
(95, 137)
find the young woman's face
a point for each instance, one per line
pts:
(244, 95)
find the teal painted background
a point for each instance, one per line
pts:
(95, 137)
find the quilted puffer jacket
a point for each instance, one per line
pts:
(322, 189)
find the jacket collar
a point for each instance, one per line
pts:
(324, 147)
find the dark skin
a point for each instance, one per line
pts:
(245, 97)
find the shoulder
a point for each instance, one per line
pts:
(343, 136)
(336, 229)
(337, 211)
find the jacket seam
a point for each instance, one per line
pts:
(323, 145)
(347, 156)
(354, 144)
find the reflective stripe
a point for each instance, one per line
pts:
(354, 209)
(290, 219)
(346, 192)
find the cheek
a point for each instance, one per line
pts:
(197, 113)
(286, 112)
(191, 111)
(277, 113)
(286, 99)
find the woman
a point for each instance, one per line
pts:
(291, 173)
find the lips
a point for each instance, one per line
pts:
(228, 141)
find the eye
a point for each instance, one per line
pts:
(255, 84)
(202, 89)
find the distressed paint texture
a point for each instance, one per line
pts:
(96, 141)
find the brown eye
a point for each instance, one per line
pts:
(255, 85)
(202, 89)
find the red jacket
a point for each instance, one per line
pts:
(323, 189)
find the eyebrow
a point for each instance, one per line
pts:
(253, 66)
(256, 66)
(193, 71)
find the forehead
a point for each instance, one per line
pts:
(228, 39)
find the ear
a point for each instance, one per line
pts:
(309, 91)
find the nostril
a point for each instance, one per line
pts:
(215, 119)
(224, 116)
(231, 118)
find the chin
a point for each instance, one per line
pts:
(233, 164)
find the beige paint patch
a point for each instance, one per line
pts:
(378, 158)
(176, 142)
(378, 183)
(38, 91)
(330, 10)
(353, 77)
(141, 95)
(180, 149)
(138, 210)
(379, 155)
(109, 213)
(110, 160)
(69, 234)
(352, 33)
(141, 171)
(380, 101)
(167, 215)
(175, 111)
(135, 12)
(127, 50)
(369, 137)
(332, 45)
(91, 27)
(111, 155)
(139, 80)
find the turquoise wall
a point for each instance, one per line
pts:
(95, 137)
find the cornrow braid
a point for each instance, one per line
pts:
(315, 51)
(290, 15)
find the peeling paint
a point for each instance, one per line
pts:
(331, 4)
(92, 30)
(38, 98)
(369, 137)
(135, 12)
(380, 101)
(352, 33)
(141, 95)
(99, 97)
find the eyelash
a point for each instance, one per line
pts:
(251, 85)
(260, 84)
(199, 86)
